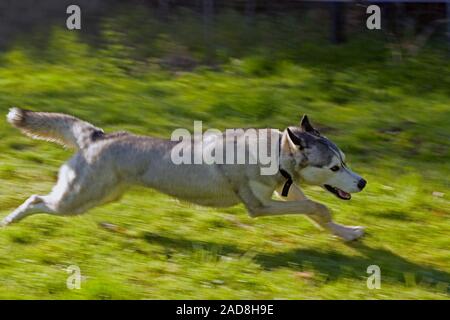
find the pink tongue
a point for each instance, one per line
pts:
(343, 194)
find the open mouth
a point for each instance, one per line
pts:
(338, 192)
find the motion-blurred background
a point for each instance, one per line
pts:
(153, 66)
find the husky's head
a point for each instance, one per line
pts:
(316, 160)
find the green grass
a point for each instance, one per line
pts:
(392, 120)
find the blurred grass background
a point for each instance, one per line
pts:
(150, 76)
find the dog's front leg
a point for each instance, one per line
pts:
(316, 211)
(258, 205)
(322, 218)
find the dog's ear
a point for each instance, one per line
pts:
(295, 140)
(306, 126)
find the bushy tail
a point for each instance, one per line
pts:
(56, 127)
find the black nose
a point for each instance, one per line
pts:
(362, 183)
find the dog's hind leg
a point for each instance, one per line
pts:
(73, 204)
(78, 189)
(34, 204)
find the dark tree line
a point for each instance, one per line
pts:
(423, 18)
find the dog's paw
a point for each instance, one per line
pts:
(357, 232)
(4, 223)
(349, 233)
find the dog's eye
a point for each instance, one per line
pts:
(335, 168)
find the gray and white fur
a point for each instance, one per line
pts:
(105, 165)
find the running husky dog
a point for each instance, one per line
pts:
(106, 164)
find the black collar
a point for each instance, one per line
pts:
(284, 173)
